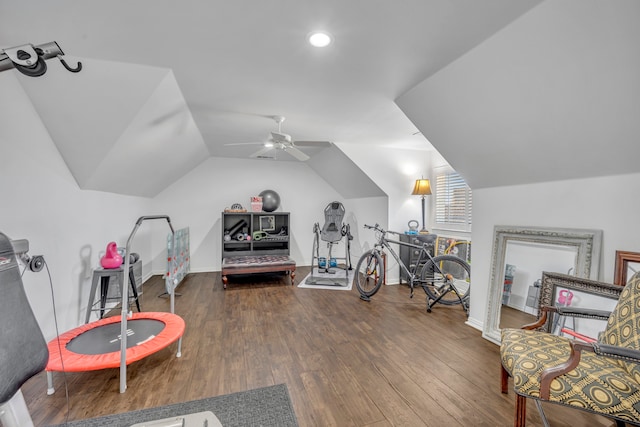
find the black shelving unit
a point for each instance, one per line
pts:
(240, 225)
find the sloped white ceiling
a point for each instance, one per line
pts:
(121, 128)
(554, 95)
(343, 174)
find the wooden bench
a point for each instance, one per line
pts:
(257, 264)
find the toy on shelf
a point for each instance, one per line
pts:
(256, 203)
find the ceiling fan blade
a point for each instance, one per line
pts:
(243, 143)
(296, 153)
(261, 152)
(313, 144)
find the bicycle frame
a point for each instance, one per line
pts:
(383, 242)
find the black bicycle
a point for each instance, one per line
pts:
(446, 279)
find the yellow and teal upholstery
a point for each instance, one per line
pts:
(606, 385)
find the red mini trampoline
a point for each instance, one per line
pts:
(96, 345)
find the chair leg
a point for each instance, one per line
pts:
(504, 380)
(521, 411)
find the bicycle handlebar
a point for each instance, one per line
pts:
(380, 229)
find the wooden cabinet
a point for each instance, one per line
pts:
(255, 233)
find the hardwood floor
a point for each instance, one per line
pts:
(346, 362)
(512, 318)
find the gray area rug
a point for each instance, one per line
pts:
(264, 407)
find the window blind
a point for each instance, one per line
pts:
(453, 201)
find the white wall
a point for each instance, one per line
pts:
(604, 203)
(41, 202)
(395, 171)
(198, 199)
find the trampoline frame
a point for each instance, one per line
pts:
(173, 330)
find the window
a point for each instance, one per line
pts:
(453, 202)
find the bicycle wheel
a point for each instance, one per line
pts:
(369, 273)
(447, 276)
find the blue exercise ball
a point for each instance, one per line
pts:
(270, 200)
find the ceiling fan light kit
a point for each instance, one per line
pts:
(280, 137)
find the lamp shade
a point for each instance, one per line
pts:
(422, 187)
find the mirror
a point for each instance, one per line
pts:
(585, 293)
(524, 264)
(574, 250)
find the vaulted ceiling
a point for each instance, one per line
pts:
(553, 96)
(171, 83)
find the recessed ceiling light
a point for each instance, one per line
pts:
(319, 39)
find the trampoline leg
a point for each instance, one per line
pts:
(179, 353)
(50, 389)
(123, 379)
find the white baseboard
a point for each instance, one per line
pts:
(162, 273)
(204, 270)
(475, 323)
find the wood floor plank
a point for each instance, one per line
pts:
(346, 362)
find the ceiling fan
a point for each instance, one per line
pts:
(284, 142)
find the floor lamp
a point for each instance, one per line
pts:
(422, 188)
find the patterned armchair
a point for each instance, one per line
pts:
(601, 377)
